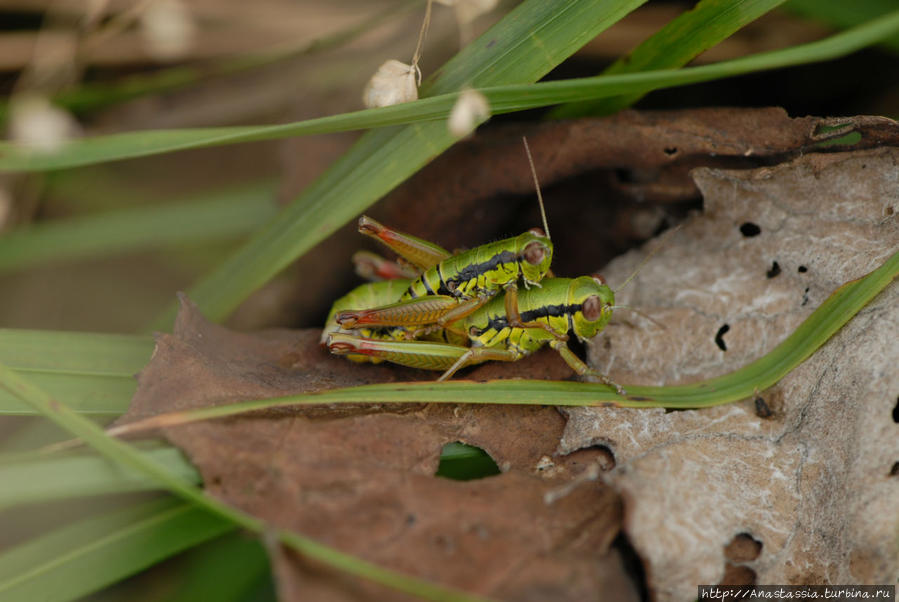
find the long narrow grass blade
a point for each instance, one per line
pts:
(824, 322)
(126, 455)
(74, 352)
(503, 99)
(842, 14)
(95, 371)
(227, 215)
(32, 478)
(84, 557)
(525, 45)
(676, 44)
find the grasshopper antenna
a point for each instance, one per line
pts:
(642, 314)
(527, 150)
(651, 254)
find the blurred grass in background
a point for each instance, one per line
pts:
(103, 248)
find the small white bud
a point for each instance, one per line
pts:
(469, 111)
(168, 29)
(39, 125)
(469, 10)
(393, 83)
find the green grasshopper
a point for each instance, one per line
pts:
(462, 282)
(582, 306)
(453, 286)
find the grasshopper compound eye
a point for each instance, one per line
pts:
(537, 231)
(534, 253)
(592, 308)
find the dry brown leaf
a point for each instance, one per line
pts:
(807, 473)
(785, 492)
(362, 479)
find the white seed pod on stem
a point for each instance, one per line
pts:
(168, 28)
(393, 83)
(39, 125)
(471, 109)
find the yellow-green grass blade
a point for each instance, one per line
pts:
(95, 395)
(94, 371)
(74, 352)
(842, 14)
(676, 44)
(823, 323)
(222, 216)
(128, 456)
(34, 477)
(86, 556)
(524, 46)
(503, 98)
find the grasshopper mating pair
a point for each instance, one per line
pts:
(466, 308)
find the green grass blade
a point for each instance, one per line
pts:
(842, 14)
(94, 371)
(128, 456)
(95, 395)
(226, 215)
(524, 46)
(676, 44)
(74, 352)
(823, 323)
(31, 478)
(503, 99)
(84, 557)
(223, 570)
(384, 158)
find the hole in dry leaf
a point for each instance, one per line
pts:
(600, 454)
(605, 458)
(735, 574)
(802, 269)
(774, 271)
(748, 229)
(896, 412)
(743, 548)
(719, 338)
(632, 563)
(762, 409)
(670, 150)
(894, 471)
(888, 211)
(461, 462)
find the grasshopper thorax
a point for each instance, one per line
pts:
(595, 299)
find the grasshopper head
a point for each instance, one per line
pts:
(596, 300)
(535, 251)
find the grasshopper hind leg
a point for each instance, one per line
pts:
(583, 369)
(477, 355)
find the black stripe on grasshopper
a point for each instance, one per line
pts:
(483, 271)
(499, 322)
